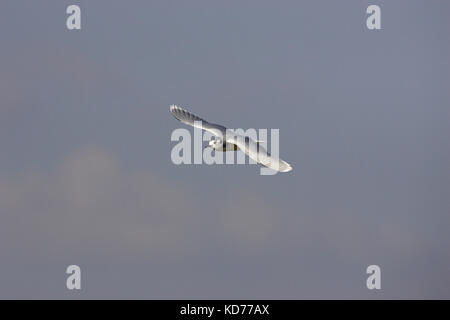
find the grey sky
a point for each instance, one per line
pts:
(85, 170)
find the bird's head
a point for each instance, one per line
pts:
(215, 143)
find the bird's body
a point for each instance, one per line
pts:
(220, 146)
(227, 140)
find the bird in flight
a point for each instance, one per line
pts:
(227, 140)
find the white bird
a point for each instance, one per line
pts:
(227, 140)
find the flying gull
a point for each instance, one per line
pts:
(227, 140)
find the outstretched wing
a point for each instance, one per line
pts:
(257, 152)
(191, 119)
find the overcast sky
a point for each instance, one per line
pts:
(85, 170)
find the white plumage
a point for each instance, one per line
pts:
(227, 140)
